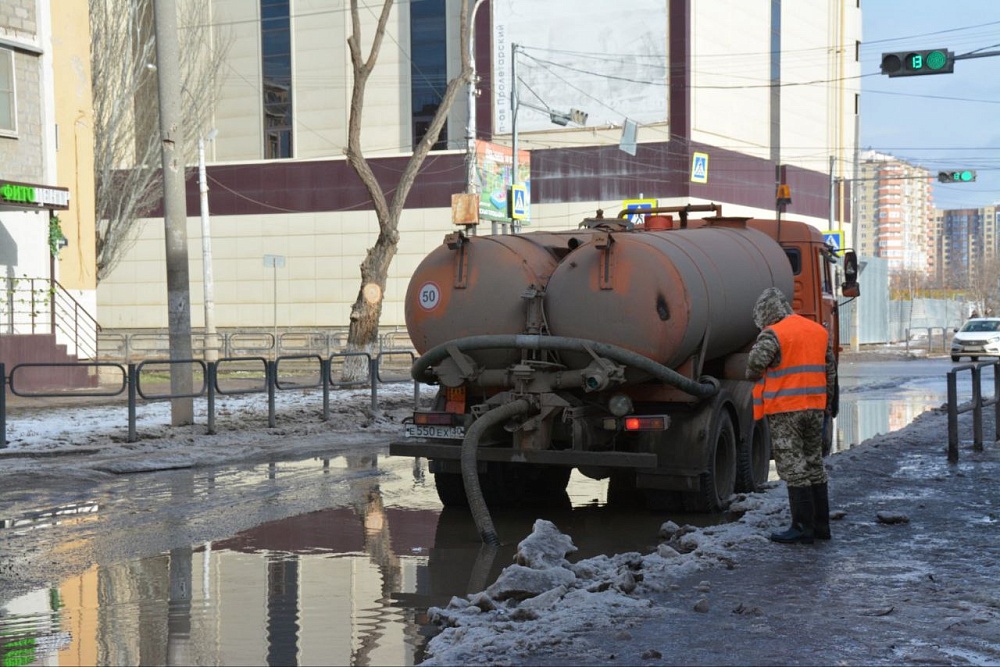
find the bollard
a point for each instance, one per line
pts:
(324, 368)
(212, 374)
(271, 377)
(3, 406)
(131, 402)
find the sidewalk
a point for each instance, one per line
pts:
(922, 591)
(910, 577)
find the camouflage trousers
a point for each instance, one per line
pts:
(797, 447)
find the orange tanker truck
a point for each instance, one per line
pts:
(618, 349)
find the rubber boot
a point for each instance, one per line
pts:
(821, 511)
(800, 500)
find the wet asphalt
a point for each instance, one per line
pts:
(921, 585)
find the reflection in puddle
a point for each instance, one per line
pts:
(69, 513)
(346, 585)
(860, 420)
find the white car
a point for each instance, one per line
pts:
(979, 337)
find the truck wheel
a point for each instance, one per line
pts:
(753, 462)
(450, 489)
(955, 357)
(622, 491)
(716, 486)
(545, 481)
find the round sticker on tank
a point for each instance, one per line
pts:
(429, 296)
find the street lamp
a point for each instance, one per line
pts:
(470, 125)
(557, 117)
(210, 340)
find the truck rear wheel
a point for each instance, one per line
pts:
(717, 484)
(451, 489)
(506, 484)
(753, 463)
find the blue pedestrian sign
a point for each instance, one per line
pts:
(835, 240)
(635, 208)
(699, 167)
(518, 202)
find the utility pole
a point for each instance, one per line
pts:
(168, 85)
(513, 130)
(211, 343)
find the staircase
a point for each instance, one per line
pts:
(42, 349)
(41, 323)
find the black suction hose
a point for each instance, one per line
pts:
(470, 469)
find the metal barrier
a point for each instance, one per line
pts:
(214, 382)
(930, 338)
(128, 346)
(379, 365)
(975, 405)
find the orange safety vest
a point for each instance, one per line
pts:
(799, 381)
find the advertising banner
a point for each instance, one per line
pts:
(493, 166)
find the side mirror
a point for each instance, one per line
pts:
(850, 286)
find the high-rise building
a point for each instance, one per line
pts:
(896, 213)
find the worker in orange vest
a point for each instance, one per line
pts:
(793, 363)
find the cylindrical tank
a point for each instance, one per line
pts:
(665, 294)
(477, 286)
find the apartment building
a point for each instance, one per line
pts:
(46, 181)
(896, 213)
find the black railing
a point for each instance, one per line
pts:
(43, 306)
(217, 378)
(974, 405)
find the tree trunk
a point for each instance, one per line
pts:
(362, 336)
(366, 313)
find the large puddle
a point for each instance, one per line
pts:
(347, 585)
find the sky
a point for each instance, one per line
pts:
(940, 122)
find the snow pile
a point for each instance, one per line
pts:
(542, 601)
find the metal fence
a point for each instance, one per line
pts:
(875, 319)
(128, 346)
(225, 377)
(975, 405)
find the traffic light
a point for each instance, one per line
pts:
(915, 63)
(957, 176)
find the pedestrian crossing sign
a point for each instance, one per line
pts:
(518, 202)
(699, 168)
(835, 240)
(635, 208)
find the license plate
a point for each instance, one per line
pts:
(974, 348)
(421, 431)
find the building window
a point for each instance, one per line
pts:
(276, 56)
(428, 66)
(8, 110)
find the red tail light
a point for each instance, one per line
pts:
(647, 423)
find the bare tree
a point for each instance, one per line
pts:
(127, 149)
(984, 285)
(367, 309)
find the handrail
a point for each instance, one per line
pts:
(42, 305)
(975, 405)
